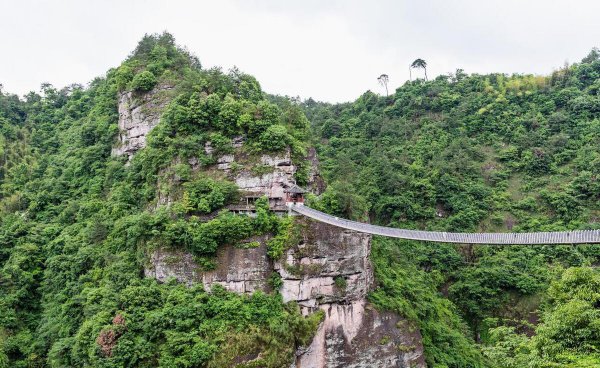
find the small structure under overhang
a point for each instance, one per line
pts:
(294, 195)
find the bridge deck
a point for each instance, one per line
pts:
(559, 237)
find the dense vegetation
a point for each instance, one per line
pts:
(458, 153)
(76, 224)
(477, 153)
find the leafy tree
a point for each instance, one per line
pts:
(412, 292)
(206, 195)
(275, 138)
(76, 224)
(143, 81)
(568, 335)
(475, 153)
(421, 64)
(571, 323)
(458, 153)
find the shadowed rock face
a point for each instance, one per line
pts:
(329, 265)
(241, 270)
(329, 269)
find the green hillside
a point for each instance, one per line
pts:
(459, 153)
(474, 153)
(75, 223)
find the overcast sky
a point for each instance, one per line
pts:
(329, 50)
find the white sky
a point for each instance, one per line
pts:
(329, 50)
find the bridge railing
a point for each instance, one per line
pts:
(558, 237)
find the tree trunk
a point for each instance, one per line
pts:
(425, 69)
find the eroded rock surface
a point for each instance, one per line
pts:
(279, 174)
(271, 183)
(164, 264)
(355, 335)
(269, 176)
(239, 270)
(329, 265)
(139, 113)
(329, 269)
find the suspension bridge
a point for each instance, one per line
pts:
(557, 237)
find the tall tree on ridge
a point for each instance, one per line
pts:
(383, 80)
(420, 63)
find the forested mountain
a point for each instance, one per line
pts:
(75, 223)
(476, 153)
(458, 153)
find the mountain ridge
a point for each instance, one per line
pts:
(82, 210)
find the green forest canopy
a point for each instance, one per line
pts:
(460, 152)
(476, 153)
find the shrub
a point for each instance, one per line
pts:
(340, 282)
(143, 81)
(275, 281)
(123, 75)
(275, 138)
(207, 195)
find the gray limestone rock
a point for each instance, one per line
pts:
(240, 270)
(353, 333)
(139, 113)
(330, 270)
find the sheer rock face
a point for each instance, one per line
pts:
(139, 113)
(329, 269)
(164, 264)
(279, 175)
(355, 335)
(272, 183)
(239, 270)
(329, 265)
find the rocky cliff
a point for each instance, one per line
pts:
(328, 269)
(238, 269)
(139, 113)
(280, 173)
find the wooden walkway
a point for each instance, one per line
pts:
(558, 237)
